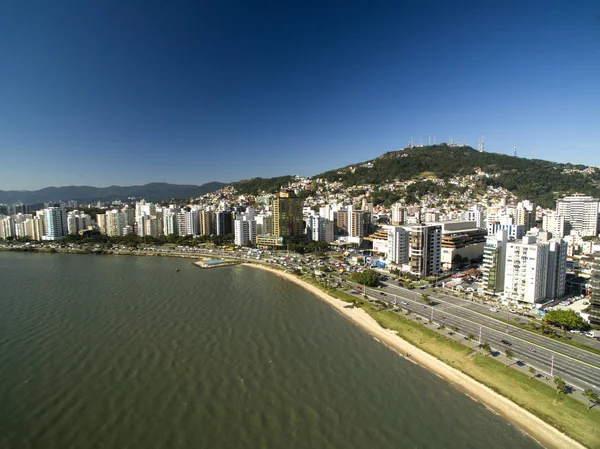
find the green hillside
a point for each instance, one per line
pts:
(537, 180)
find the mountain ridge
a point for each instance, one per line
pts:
(150, 191)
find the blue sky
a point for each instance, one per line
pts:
(114, 92)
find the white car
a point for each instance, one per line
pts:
(493, 309)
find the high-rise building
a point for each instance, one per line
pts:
(208, 222)
(170, 221)
(595, 290)
(494, 261)
(525, 214)
(425, 250)
(78, 221)
(115, 223)
(56, 223)
(398, 214)
(581, 214)
(264, 224)
(476, 214)
(320, 228)
(244, 231)
(288, 221)
(555, 224)
(557, 269)
(224, 222)
(398, 244)
(515, 232)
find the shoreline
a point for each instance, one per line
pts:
(537, 429)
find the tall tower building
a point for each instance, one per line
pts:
(288, 220)
(526, 270)
(494, 261)
(224, 222)
(581, 214)
(56, 223)
(595, 290)
(398, 214)
(425, 250)
(555, 224)
(525, 214)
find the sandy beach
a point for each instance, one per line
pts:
(544, 433)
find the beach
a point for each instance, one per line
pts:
(542, 432)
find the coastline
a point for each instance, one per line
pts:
(545, 434)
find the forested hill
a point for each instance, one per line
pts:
(537, 180)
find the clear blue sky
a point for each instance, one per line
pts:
(128, 92)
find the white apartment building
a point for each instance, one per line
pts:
(555, 224)
(525, 214)
(321, 229)
(526, 271)
(476, 214)
(425, 250)
(581, 214)
(264, 223)
(398, 213)
(170, 221)
(114, 223)
(244, 231)
(398, 244)
(78, 221)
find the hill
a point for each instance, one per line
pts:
(537, 180)
(256, 186)
(152, 191)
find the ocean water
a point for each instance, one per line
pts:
(127, 352)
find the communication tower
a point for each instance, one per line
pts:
(515, 152)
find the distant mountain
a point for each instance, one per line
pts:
(153, 191)
(537, 180)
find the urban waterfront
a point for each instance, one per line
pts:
(108, 351)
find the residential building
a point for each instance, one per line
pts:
(78, 221)
(515, 232)
(208, 222)
(525, 214)
(425, 250)
(115, 223)
(398, 244)
(557, 268)
(398, 214)
(244, 231)
(595, 290)
(224, 222)
(581, 214)
(320, 229)
(56, 223)
(494, 262)
(555, 224)
(170, 221)
(288, 220)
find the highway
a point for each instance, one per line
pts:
(546, 359)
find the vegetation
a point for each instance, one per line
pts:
(486, 347)
(567, 319)
(593, 398)
(537, 180)
(561, 385)
(257, 186)
(532, 371)
(509, 355)
(370, 278)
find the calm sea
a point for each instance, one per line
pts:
(127, 352)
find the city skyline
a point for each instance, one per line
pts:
(114, 94)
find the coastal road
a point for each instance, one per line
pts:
(544, 360)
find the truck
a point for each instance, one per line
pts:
(592, 334)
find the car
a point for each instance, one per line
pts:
(493, 309)
(423, 307)
(512, 311)
(585, 303)
(506, 342)
(382, 294)
(404, 302)
(411, 287)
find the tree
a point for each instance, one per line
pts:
(486, 347)
(532, 371)
(442, 327)
(509, 355)
(561, 385)
(470, 337)
(454, 329)
(592, 397)
(426, 298)
(369, 278)
(566, 319)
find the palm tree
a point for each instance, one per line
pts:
(470, 337)
(486, 347)
(426, 298)
(532, 371)
(593, 398)
(442, 327)
(454, 329)
(509, 356)
(561, 385)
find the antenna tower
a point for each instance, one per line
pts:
(482, 145)
(515, 152)
(533, 152)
